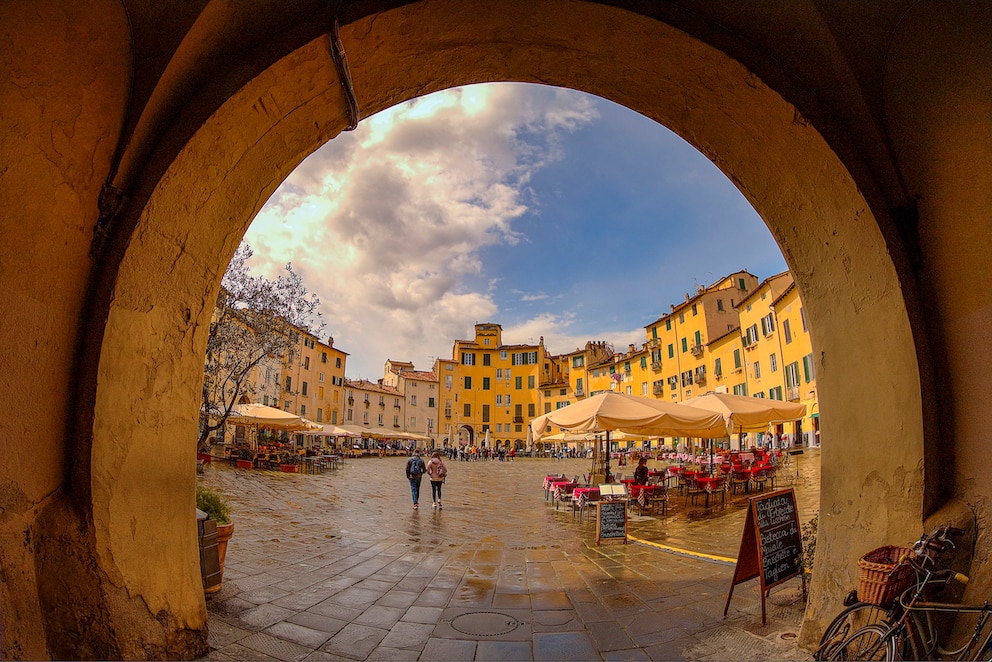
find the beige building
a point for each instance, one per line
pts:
(420, 394)
(373, 405)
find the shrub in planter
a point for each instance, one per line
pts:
(213, 504)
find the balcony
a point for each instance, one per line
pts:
(792, 394)
(396, 405)
(518, 419)
(701, 378)
(579, 393)
(696, 350)
(656, 366)
(654, 343)
(658, 389)
(447, 413)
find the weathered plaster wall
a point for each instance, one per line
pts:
(98, 556)
(938, 103)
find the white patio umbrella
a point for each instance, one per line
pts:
(610, 411)
(744, 413)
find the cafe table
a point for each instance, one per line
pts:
(547, 484)
(709, 484)
(562, 489)
(583, 496)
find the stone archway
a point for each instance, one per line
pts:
(192, 224)
(197, 168)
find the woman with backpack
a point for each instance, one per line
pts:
(414, 472)
(436, 471)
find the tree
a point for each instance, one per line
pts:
(256, 320)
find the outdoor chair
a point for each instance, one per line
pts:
(739, 481)
(652, 498)
(760, 479)
(693, 489)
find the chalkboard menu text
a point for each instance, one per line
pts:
(771, 546)
(611, 521)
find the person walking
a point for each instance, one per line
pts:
(436, 471)
(415, 472)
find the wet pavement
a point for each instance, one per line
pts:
(339, 566)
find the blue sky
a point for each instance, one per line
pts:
(551, 212)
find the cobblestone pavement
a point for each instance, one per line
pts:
(340, 566)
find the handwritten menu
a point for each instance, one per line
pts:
(611, 521)
(771, 546)
(778, 531)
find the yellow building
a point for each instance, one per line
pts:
(491, 389)
(677, 342)
(312, 379)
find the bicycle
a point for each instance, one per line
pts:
(858, 614)
(914, 633)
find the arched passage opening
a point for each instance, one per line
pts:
(149, 362)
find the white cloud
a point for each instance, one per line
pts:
(385, 223)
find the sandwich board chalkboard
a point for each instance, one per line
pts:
(771, 546)
(611, 521)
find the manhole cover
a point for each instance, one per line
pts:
(484, 623)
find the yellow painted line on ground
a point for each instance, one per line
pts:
(685, 552)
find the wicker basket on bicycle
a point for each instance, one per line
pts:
(877, 583)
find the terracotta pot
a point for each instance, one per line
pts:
(224, 533)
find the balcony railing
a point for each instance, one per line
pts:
(656, 366)
(696, 350)
(793, 393)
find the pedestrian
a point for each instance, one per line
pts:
(436, 471)
(641, 472)
(414, 472)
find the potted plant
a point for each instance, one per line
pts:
(217, 509)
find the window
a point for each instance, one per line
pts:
(694, 311)
(654, 333)
(334, 418)
(741, 283)
(685, 345)
(468, 383)
(321, 378)
(775, 393)
(671, 351)
(578, 361)
(737, 359)
(502, 355)
(773, 362)
(499, 374)
(265, 400)
(757, 370)
(578, 385)
(306, 362)
(351, 414)
(507, 374)
(530, 381)
(337, 362)
(802, 316)
(448, 366)
(644, 388)
(531, 409)
(287, 405)
(740, 389)
(792, 375)
(468, 358)
(717, 367)
(485, 413)
(382, 400)
(447, 408)
(681, 318)
(767, 325)
(699, 338)
(320, 415)
(808, 372)
(447, 381)
(430, 403)
(485, 383)
(467, 410)
(499, 400)
(320, 392)
(786, 331)
(668, 324)
(563, 392)
(413, 421)
(487, 357)
(289, 383)
(719, 304)
(413, 401)
(380, 422)
(303, 410)
(519, 384)
(485, 341)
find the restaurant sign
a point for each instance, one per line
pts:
(771, 546)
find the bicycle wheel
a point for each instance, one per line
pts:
(846, 623)
(872, 642)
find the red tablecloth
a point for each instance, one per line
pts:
(562, 488)
(582, 495)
